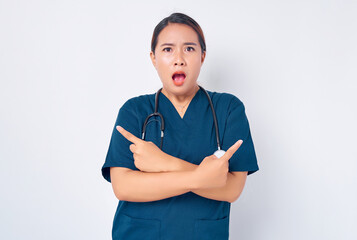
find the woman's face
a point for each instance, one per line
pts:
(178, 51)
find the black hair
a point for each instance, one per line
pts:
(178, 18)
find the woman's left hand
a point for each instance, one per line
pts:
(147, 156)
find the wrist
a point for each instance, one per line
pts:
(173, 163)
(177, 164)
(193, 180)
(169, 163)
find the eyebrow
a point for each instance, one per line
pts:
(171, 44)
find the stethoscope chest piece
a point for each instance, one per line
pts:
(219, 153)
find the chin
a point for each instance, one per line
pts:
(185, 88)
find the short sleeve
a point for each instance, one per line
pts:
(119, 154)
(237, 127)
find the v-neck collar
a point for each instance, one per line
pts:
(194, 99)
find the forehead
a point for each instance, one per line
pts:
(176, 32)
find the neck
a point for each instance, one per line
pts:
(183, 99)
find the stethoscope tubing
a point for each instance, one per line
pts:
(156, 113)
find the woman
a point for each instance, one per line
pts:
(175, 187)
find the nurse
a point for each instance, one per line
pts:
(177, 189)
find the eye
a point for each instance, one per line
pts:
(166, 48)
(190, 48)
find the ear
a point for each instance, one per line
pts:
(203, 56)
(153, 60)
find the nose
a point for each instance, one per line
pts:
(179, 60)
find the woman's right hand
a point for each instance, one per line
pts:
(212, 171)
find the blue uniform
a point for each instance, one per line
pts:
(191, 138)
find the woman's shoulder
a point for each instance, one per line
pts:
(224, 98)
(140, 101)
(226, 103)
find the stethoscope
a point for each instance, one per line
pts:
(219, 152)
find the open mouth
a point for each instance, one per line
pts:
(179, 78)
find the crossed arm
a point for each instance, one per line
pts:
(230, 192)
(164, 176)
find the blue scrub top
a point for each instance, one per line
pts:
(191, 138)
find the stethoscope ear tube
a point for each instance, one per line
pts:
(155, 113)
(214, 117)
(146, 121)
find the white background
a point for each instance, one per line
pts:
(66, 67)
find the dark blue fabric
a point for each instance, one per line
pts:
(190, 138)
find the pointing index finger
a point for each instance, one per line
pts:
(129, 136)
(229, 153)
